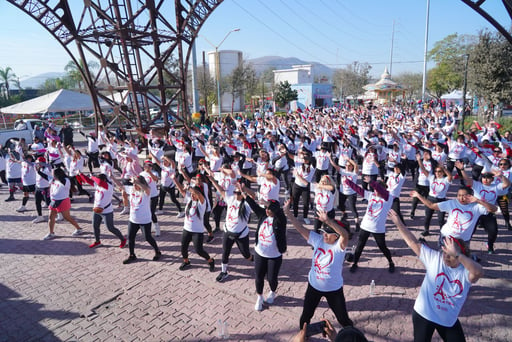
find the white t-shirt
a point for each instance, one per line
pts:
(103, 198)
(395, 183)
(194, 222)
(268, 190)
(140, 208)
(461, 219)
(28, 174)
(422, 178)
(438, 186)
(369, 167)
(234, 223)
(443, 291)
(326, 264)
(374, 220)
(344, 188)
(59, 191)
(324, 199)
(151, 183)
(165, 176)
(306, 172)
(267, 243)
(322, 160)
(42, 183)
(488, 193)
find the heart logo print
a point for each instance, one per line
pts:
(438, 187)
(375, 207)
(447, 288)
(266, 232)
(488, 196)
(460, 219)
(323, 258)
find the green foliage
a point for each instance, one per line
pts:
(283, 93)
(242, 79)
(7, 76)
(442, 79)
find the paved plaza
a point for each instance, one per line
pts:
(60, 290)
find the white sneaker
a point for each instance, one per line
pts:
(287, 192)
(259, 304)
(159, 212)
(125, 211)
(21, 209)
(49, 236)
(77, 232)
(270, 298)
(156, 227)
(180, 214)
(43, 204)
(307, 221)
(38, 219)
(59, 218)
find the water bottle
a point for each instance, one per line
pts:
(220, 328)
(225, 331)
(372, 288)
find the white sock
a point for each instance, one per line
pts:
(224, 268)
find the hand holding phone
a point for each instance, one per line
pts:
(315, 328)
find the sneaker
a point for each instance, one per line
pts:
(10, 199)
(391, 268)
(222, 276)
(411, 216)
(38, 219)
(287, 192)
(123, 243)
(180, 214)
(159, 212)
(21, 209)
(59, 218)
(353, 268)
(95, 244)
(49, 236)
(270, 298)
(43, 204)
(211, 264)
(210, 238)
(125, 211)
(157, 256)
(307, 221)
(130, 259)
(259, 304)
(156, 226)
(425, 233)
(77, 232)
(185, 265)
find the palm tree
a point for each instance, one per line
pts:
(6, 76)
(74, 71)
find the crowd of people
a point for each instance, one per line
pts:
(320, 161)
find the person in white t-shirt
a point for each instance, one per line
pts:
(193, 225)
(439, 183)
(450, 274)
(152, 179)
(302, 187)
(140, 217)
(325, 277)
(60, 203)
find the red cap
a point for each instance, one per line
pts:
(148, 162)
(41, 160)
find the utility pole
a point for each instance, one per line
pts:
(391, 53)
(464, 88)
(424, 85)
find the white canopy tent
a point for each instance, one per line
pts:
(62, 100)
(455, 97)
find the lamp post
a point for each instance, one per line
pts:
(464, 88)
(217, 65)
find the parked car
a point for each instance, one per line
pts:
(51, 116)
(22, 128)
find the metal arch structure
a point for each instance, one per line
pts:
(142, 48)
(477, 7)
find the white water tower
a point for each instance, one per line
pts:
(223, 65)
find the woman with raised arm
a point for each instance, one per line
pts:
(235, 228)
(167, 185)
(140, 217)
(269, 246)
(193, 226)
(325, 278)
(439, 183)
(439, 302)
(302, 187)
(346, 193)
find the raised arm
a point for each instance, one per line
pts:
(408, 237)
(474, 268)
(322, 216)
(468, 179)
(428, 203)
(296, 223)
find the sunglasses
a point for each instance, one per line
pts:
(503, 164)
(497, 151)
(322, 231)
(439, 170)
(237, 192)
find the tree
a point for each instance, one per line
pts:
(412, 83)
(490, 68)
(205, 86)
(350, 80)
(73, 72)
(284, 94)
(53, 84)
(6, 76)
(242, 79)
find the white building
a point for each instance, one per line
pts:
(223, 64)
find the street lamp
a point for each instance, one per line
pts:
(217, 64)
(464, 89)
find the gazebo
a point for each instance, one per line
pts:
(385, 89)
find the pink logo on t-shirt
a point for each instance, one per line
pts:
(437, 187)
(323, 258)
(375, 207)
(461, 219)
(488, 196)
(266, 232)
(447, 288)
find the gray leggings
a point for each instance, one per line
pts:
(109, 222)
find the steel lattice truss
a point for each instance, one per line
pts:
(477, 5)
(142, 49)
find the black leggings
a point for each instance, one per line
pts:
(491, 227)
(109, 222)
(40, 196)
(286, 178)
(78, 185)
(380, 239)
(172, 193)
(423, 191)
(93, 160)
(503, 203)
(411, 166)
(424, 329)
(228, 239)
(133, 228)
(153, 204)
(206, 222)
(396, 207)
(217, 213)
(269, 267)
(441, 215)
(335, 300)
(297, 192)
(197, 240)
(2, 177)
(351, 203)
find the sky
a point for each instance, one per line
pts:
(332, 32)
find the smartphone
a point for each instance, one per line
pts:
(315, 328)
